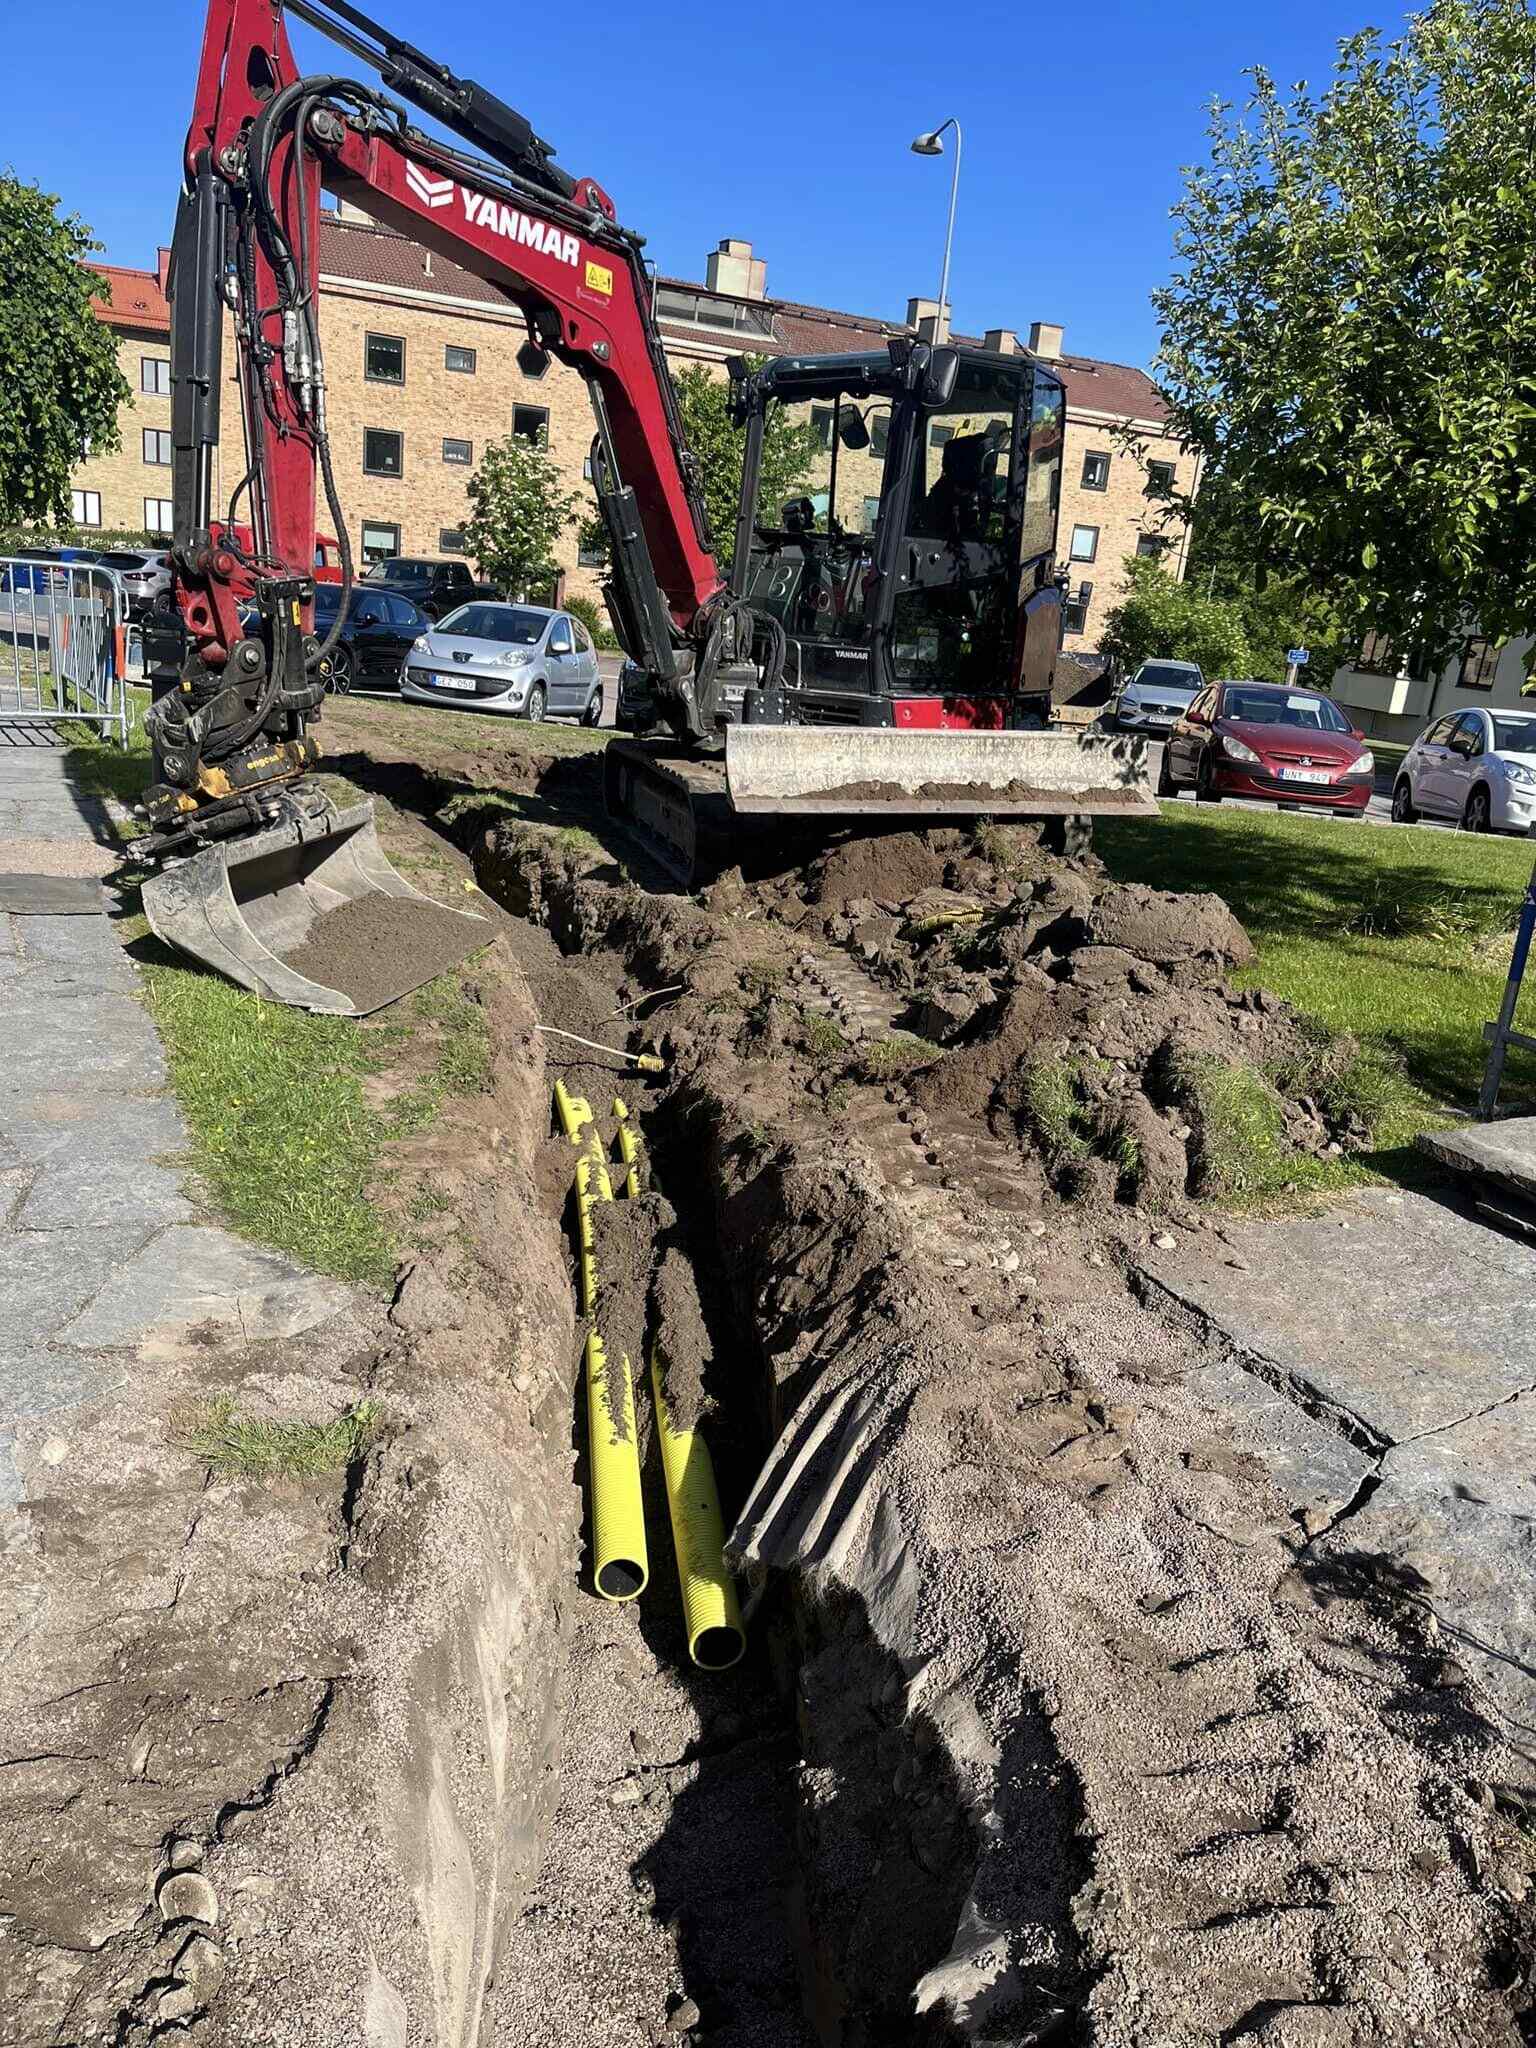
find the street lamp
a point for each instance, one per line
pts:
(932, 144)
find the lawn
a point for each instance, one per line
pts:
(1401, 937)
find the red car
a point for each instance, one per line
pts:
(1269, 741)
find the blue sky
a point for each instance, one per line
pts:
(787, 127)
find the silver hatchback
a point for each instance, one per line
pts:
(520, 659)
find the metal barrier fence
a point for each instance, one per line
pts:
(63, 644)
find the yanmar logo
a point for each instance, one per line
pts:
(482, 211)
(433, 192)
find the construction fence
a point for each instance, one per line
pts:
(65, 645)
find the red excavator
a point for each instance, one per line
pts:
(882, 649)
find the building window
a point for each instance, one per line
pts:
(532, 422)
(871, 514)
(458, 451)
(821, 424)
(702, 309)
(879, 434)
(380, 541)
(384, 359)
(1095, 471)
(1159, 479)
(593, 557)
(586, 469)
(1074, 612)
(1151, 545)
(157, 446)
(85, 507)
(383, 451)
(157, 515)
(450, 539)
(155, 375)
(1085, 543)
(460, 359)
(1479, 663)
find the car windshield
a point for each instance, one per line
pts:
(115, 560)
(327, 597)
(495, 622)
(398, 571)
(1284, 707)
(1167, 675)
(1514, 735)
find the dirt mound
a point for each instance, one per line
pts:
(682, 1342)
(890, 868)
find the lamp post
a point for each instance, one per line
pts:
(932, 144)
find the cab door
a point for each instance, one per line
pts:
(1187, 740)
(566, 689)
(1461, 760)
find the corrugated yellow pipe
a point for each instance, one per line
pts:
(621, 1563)
(574, 1112)
(716, 1638)
(629, 1148)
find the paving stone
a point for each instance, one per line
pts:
(91, 1037)
(48, 1276)
(95, 1160)
(1396, 1307)
(1317, 1470)
(1502, 1152)
(193, 1274)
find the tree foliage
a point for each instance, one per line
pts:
(60, 387)
(1350, 334)
(1160, 616)
(789, 451)
(519, 508)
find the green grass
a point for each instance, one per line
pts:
(1053, 1108)
(823, 1040)
(899, 1053)
(250, 1447)
(282, 1134)
(1247, 1160)
(1388, 934)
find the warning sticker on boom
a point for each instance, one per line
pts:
(600, 279)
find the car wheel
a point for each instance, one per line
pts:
(593, 715)
(533, 711)
(1403, 808)
(343, 670)
(1206, 791)
(1166, 786)
(1478, 817)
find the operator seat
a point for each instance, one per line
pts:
(957, 507)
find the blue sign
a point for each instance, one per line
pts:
(1298, 657)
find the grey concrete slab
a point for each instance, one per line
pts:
(1488, 1460)
(1504, 1153)
(48, 1276)
(63, 895)
(1394, 1307)
(70, 941)
(96, 1161)
(1318, 1470)
(52, 1042)
(190, 1276)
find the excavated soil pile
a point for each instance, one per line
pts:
(648, 1298)
(379, 945)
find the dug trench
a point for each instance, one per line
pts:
(1055, 1723)
(1092, 1740)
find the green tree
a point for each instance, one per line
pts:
(1160, 616)
(519, 510)
(60, 387)
(1350, 334)
(789, 451)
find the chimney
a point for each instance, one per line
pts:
(923, 314)
(163, 269)
(1045, 341)
(1002, 341)
(734, 270)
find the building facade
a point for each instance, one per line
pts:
(1393, 696)
(426, 363)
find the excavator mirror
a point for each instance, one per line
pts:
(851, 429)
(939, 377)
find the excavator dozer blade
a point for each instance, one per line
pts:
(874, 771)
(245, 906)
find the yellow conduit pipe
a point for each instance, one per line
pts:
(574, 1112)
(716, 1638)
(629, 1148)
(620, 1561)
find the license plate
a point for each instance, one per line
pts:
(1305, 775)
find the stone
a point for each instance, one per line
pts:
(1166, 1241)
(179, 2003)
(194, 1274)
(684, 2016)
(628, 1792)
(187, 1895)
(184, 1855)
(1503, 1152)
(53, 1450)
(201, 1966)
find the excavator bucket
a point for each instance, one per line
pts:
(873, 771)
(312, 914)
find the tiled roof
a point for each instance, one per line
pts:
(134, 299)
(377, 256)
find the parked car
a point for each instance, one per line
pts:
(1269, 741)
(1479, 766)
(1156, 697)
(42, 569)
(517, 658)
(327, 563)
(438, 587)
(380, 628)
(146, 574)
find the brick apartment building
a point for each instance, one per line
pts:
(422, 363)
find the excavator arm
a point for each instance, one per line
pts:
(264, 141)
